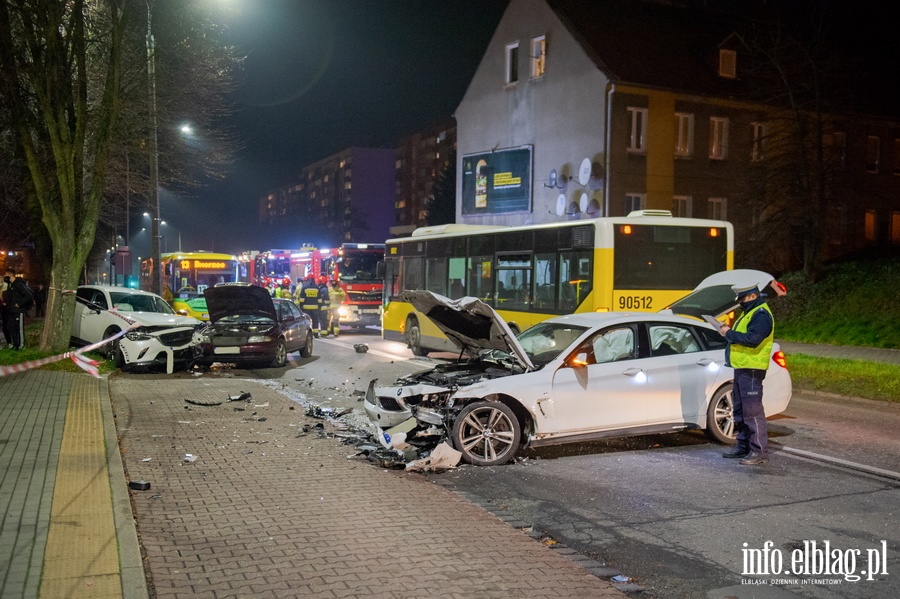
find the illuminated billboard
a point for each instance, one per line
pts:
(497, 182)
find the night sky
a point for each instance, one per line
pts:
(324, 75)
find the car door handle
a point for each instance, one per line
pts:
(704, 362)
(632, 372)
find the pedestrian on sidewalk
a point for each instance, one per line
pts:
(748, 352)
(5, 315)
(19, 300)
(40, 301)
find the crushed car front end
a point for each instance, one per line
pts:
(149, 347)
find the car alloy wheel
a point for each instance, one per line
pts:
(487, 433)
(720, 417)
(280, 354)
(307, 349)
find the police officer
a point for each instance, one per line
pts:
(336, 297)
(748, 352)
(310, 303)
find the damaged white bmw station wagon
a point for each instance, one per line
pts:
(573, 378)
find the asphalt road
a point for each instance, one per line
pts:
(667, 510)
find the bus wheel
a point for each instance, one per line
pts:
(414, 337)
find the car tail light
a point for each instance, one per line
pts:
(779, 358)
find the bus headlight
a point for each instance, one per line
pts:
(344, 311)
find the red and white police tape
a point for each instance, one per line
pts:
(83, 362)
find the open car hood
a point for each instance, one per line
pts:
(714, 297)
(469, 322)
(229, 300)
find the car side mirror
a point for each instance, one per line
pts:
(580, 360)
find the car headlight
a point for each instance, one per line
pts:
(259, 339)
(137, 335)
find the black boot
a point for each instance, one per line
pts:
(737, 452)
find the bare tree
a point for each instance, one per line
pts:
(794, 182)
(61, 70)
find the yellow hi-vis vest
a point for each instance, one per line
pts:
(752, 357)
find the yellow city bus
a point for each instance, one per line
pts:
(186, 274)
(640, 262)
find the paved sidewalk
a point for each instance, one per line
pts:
(269, 510)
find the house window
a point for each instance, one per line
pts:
(684, 134)
(512, 63)
(681, 206)
(718, 138)
(895, 228)
(637, 138)
(757, 152)
(835, 147)
(538, 56)
(873, 146)
(897, 156)
(718, 208)
(870, 226)
(728, 64)
(634, 201)
(836, 225)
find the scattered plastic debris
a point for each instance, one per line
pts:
(146, 459)
(197, 402)
(190, 458)
(443, 457)
(139, 485)
(361, 348)
(242, 397)
(619, 578)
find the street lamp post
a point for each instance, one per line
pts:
(156, 280)
(162, 222)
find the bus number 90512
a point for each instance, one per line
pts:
(635, 302)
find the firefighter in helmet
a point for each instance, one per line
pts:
(324, 305)
(336, 297)
(310, 303)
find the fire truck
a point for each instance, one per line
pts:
(284, 267)
(355, 266)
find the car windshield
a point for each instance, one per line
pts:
(246, 318)
(139, 302)
(545, 341)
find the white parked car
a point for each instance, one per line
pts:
(161, 339)
(574, 378)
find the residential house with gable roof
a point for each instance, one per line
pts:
(650, 105)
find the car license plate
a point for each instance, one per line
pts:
(227, 350)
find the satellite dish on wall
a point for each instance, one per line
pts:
(583, 202)
(584, 173)
(561, 205)
(594, 210)
(552, 178)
